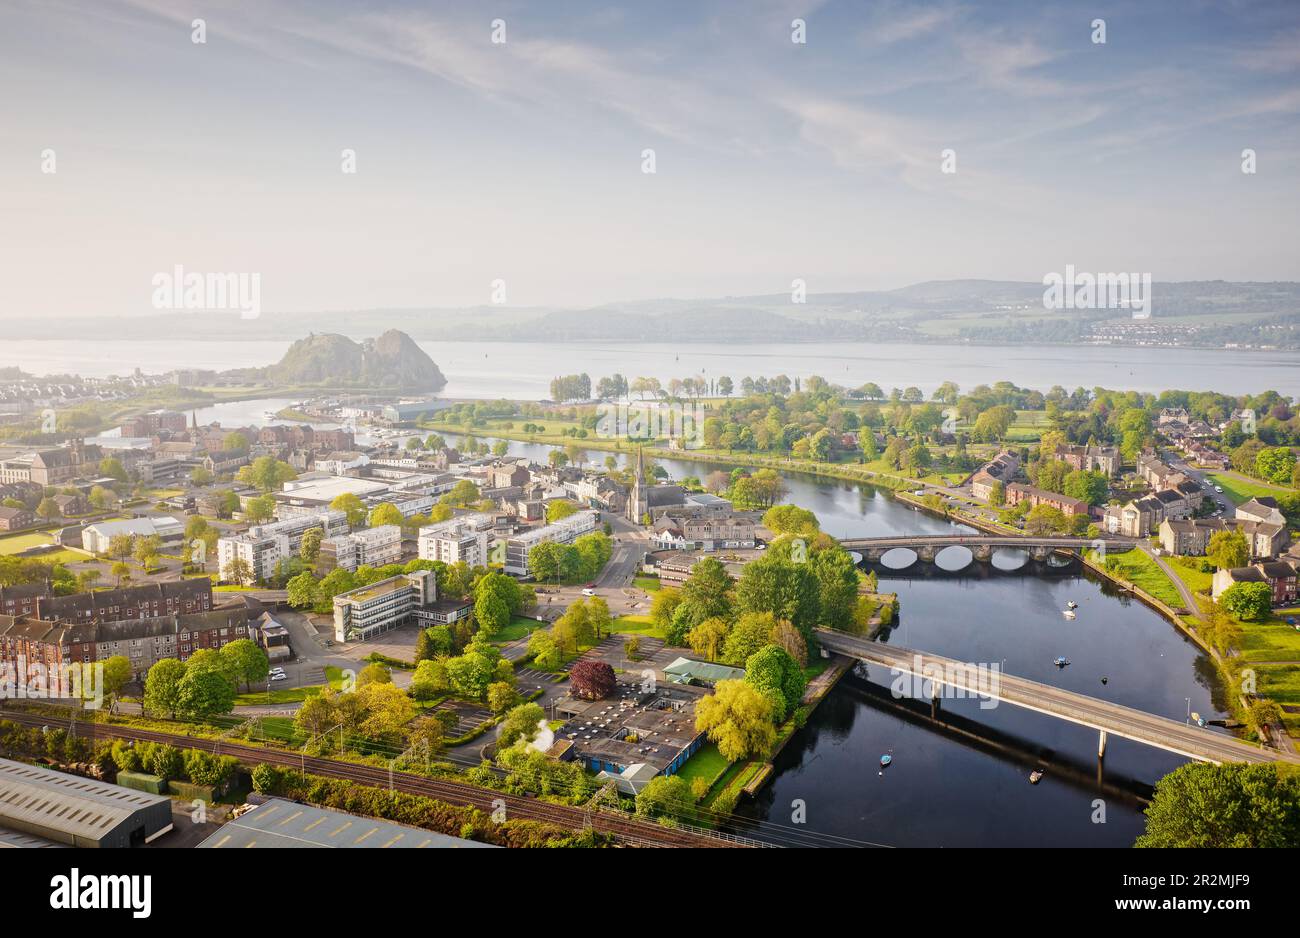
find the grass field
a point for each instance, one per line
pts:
(1197, 580)
(1140, 570)
(1271, 640)
(647, 583)
(635, 625)
(707, 763)
(517, 629)
(16, 543)
(1239, 490)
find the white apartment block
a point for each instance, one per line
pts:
(372, 547)
(454, 544)
(263, 546)
(564, 531)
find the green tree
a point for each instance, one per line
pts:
(559, 509)
(772, 669)
(1228, 550)
(266, 473)
(385, 513)
(117, 672)
(302, 590)
(204, 692)
(350, 505)
(259, 510)
(667, 796)
(246, 661)
(1230, 805)
(1249, 602)
(47, 510)
(738, 718)
(309, 549)
(523, 722)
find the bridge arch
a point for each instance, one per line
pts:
(898, 558)
(1009, 559)
(953, 558)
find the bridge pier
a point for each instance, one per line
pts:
(1101, 745)
(926, 553)
(873, 554)
(982, 552)
(934, 700)
(1040, 553)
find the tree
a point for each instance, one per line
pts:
(1230, 805)
(667, 796)
(147, 550)
(266, 473)
(523, 722)
(791, 519)
(751, 632)
(1228, 550)
(350, 505)
(491, 612)
(374, 673)
(1088, 486)
(1249, 602)
(236, 442)
(787, 637)
(259, 510)
(708, 590)
(837, 584)
(246, 661)
(385, 710)
(117, 671)
(201, 476)
(112, 467)
(772, 669)
(385, 513)
(204, 692)
(302, 590)
(501, 696)
(786, 589)
(591, 679)
(309, 549)
(47, 510)
(240, 572)
(545, 651)
(102, 498)
(738, 718)
(121, 546)
(121, 572)
(707, 637)
(1276, 465)
(558, 509)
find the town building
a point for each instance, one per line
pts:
(674, 531)
(96, 537)
(1279, 575)
(1190, 537)
(373, 547)
(56, 466)
(264, 546)
(277, 823)
(364, 613)
(1091, 458)
(15, 519)
(1018, 492)
(455, 542)
(564, 531)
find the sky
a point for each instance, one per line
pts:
(523, 161)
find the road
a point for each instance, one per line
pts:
(1222, 501)
(1172, 735)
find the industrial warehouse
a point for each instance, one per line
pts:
(39, 805)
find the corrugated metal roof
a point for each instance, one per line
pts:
(82, 807)
(280, 823)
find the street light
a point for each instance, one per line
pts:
(1189, 709)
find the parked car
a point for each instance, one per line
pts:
(280, 677)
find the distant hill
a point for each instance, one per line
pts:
(392, 360)
(1203, 314)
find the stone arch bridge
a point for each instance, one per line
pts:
(928, 546)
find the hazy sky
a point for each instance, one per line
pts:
(523, 160)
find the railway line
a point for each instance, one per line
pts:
(626, 830)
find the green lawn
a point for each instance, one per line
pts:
(15, 543)
(1197, 580)
(1281, 684)
(1271, 640)
(1141, 570)
(647, 583)
(519, 627)
(635, 625)
(286, 695)
(1239, 490)
(707, 763)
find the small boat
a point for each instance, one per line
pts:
(1072, 605)
(1069, 614)
(1060, 661)
(1200, 721)
(1035, 776)
(885, 760)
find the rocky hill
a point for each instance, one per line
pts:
(391, 361)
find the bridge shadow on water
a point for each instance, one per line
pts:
(1086, 776)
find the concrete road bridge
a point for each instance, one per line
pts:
(970, 680)
(928, 546)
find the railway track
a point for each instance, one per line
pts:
(627, 830)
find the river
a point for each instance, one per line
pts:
(966, 784)
(524, 371)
